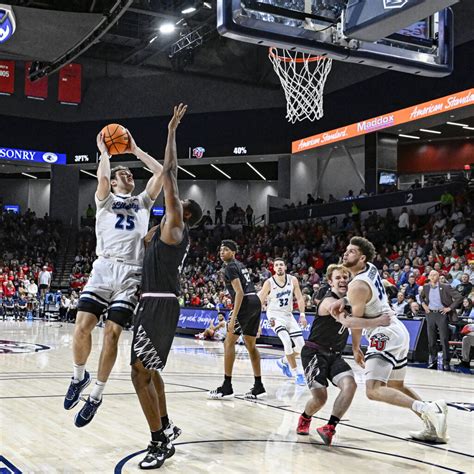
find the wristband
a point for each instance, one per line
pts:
(302, 315)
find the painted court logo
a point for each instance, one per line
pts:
(387, 4)
(7, 23)
(15, 347)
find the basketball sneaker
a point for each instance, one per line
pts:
(326, 432)
(303, 425)
(285, 368)
(157, 454)
(221, 393)
(74, 391)
(172, 431)
(436, 413)
(428, 434)
(299, 379)
(256, 392)
(87, 412)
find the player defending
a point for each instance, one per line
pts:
(322, 358)
(158, 311)
(122, 223)
(386, 357)
(245, 319)
(278, 291)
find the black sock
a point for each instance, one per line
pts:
(159, 436)
(305, 415)
(334, 420)
(164, 421)
(258, 381)
(228, 380)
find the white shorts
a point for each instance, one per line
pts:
(112, 285)
(284, 321)
(386, 356)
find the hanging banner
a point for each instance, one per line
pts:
(35, 90)
(7, 77)
(70, 84)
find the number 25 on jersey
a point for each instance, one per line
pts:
(125, 222)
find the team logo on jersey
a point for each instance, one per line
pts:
(198, 152)
(387, 4)
(50, 157)
(14, 347)
(7, 23)
(379, 341)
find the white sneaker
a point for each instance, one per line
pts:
(428, 434)
(436, 414)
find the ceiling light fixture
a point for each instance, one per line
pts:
(207, 5)
(188, 10)
(153, 39)
(220, 171)
(468, 128)
(89, 173)
(458, 124)
(186, 171)
(409, 136)
(256, 171)
(29, 175)
(430, 131)
(167, 28)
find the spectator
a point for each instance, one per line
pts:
(416, 184)
(439, 302)
(90, 212)
(447, 200)
(466, 309)
(411, 289)
(218, 213)
(465, 287)
(44, 281)
(350, 196)
(310, 200)
(414, 311)
(456, 271)
(249, 215)
(467, 344)
(400, 304)
(404, 221)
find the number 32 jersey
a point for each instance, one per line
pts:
(121, 225)
(281, 297)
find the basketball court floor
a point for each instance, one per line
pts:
(231, 436)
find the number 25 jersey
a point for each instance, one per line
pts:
(121, 225)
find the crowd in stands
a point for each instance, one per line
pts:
(28, 248)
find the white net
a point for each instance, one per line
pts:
(302, 77)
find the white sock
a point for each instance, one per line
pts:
(284, 360)
(97, 390)
(79, 372)
(299, 367)
(419, 406)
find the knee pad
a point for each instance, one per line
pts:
(284, 336)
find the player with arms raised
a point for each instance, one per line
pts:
(386, 358)
(278, 292)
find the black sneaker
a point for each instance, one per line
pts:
(171, 431)
(157, 454)
(74, 391)
(256, 392)
(220, 393)
(463, 364)
(87, 412)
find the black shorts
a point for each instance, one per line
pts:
(248, 319)
(154, 327)
(43, 286)
(320, 367)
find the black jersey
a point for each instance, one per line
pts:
(326, 331)
(162, 264)
(234, 270)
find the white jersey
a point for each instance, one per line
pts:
(121, 225)
(378, 302)
(281, 297)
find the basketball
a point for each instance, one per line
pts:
(116, 138)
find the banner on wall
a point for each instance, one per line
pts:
(14, 154)
(7, 77)
(70, 84)
(35, 90)
(420, 111)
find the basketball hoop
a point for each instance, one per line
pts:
(302, 77)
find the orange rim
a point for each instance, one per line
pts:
(272, 52)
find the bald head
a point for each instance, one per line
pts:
(433, 277)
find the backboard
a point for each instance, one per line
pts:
(320, 27)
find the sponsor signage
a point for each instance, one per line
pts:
(7, 77)
(49, 157)
(420, 111)
(7, 23)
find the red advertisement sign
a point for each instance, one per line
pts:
(420, 111)
(70, 83)
(7, 77)
(37, 89)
